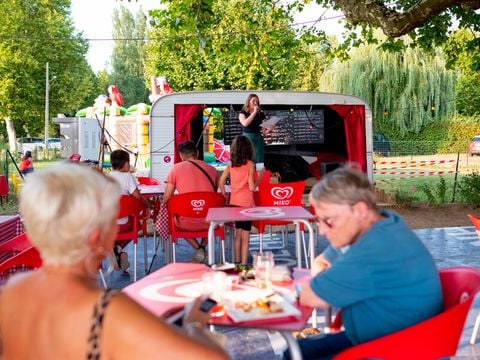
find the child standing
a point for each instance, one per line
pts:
(241, 170)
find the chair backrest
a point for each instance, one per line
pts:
(475, 221)
(130, 206)
(194, 204)
(433, 338)
(145, 180)
(284, 194)
(26, 260)
(3, 186)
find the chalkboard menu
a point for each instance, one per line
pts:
(296, 126)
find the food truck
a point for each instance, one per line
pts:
(316, 131)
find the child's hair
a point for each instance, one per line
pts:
(28, 154)
(241, 151)
(118, 158)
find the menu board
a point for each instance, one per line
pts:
(296, 126)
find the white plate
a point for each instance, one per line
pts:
(192, 290)
(250, 296)
(222, 267)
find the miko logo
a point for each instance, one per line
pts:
(282, 194)
(197, 205)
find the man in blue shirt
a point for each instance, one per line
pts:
(375, 269)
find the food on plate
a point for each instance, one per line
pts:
(264, 305)
(245, 271)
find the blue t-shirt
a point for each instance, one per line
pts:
(384, 282)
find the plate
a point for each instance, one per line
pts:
(238, 313)
(222, 267)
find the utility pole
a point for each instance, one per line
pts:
(47, 90)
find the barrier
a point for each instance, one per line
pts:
(405, 164)
(417, 174)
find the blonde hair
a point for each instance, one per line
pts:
(63, 205)
(346, 186)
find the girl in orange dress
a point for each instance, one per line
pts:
(241, 170)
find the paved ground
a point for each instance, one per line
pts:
(449, 246)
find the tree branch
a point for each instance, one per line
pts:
(394, 23)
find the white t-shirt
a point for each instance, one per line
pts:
(128, 183)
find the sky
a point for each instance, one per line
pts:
(94, 19)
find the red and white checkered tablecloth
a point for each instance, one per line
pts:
(10, 226)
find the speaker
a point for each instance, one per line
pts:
(326, 167)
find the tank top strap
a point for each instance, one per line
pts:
(96, 326)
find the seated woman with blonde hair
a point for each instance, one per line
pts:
(58, 311)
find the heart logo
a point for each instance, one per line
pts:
(197, 203)
(282, 193)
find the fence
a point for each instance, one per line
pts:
(412, 164)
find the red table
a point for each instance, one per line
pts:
(157, 293)
(10, 226)
(295, 214)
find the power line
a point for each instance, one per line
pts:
(43, 38)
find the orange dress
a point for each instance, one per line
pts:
(241, 195)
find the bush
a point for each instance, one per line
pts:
(438, 196)
(469, 188)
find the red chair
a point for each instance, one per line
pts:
(193, 205)
(284, 194)
(433, 338)
(134, 209)
(476, 223)
(26, 260)
(14, 246)
(3, 189)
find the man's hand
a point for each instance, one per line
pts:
(320, 264)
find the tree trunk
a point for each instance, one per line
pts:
(12, 141)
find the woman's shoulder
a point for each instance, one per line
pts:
(244, 112)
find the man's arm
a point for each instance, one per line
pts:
(169, 190)
(309, 298)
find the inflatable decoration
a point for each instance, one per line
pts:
(221, 152)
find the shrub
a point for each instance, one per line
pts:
(438, 196)
(469, 188)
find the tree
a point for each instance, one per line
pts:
(468, 84)
(406, 91)
(35, 32)
(224, 44)
(428, 22)
(128, 55)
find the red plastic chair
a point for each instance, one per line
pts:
(14, 246)
(134, 209)
(193, 205)
(3, 189)
(27, 260)
(144, 180)
(476, 223)
(433, 338)
(284, 194)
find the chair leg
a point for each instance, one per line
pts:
(307, 265)
(173, 252)
(135, 262)
(102, 278)
(473, 338)
(145, 255)
(222, 244)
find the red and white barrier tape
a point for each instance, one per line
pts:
(417, 174)
(414, 162)
(414, 172)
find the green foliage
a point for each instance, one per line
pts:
(128, 56)
(435, 194)
(406, 91)
(469, 188)
(428, 34)
(27, 29)
(403, 197)
(226, 44)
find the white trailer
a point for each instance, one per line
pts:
(325, 126)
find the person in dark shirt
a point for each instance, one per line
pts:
(251, 117)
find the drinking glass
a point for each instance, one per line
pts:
(214, 286)
(263, 263)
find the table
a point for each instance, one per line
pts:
(295, 214)
(154, 190)
(10, 226)
(160, 293)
